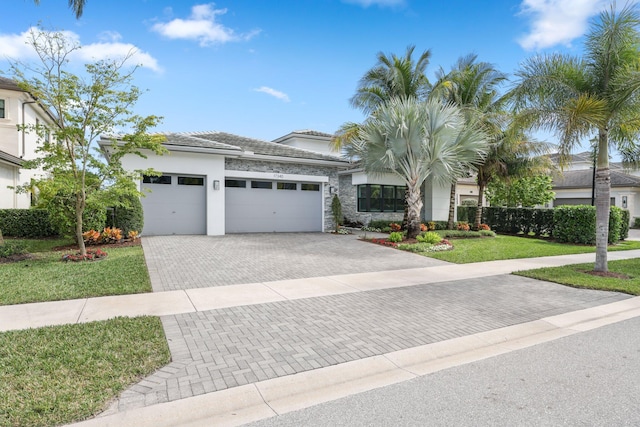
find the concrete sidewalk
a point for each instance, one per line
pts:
(24, 316)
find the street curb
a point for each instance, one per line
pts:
(264, 399)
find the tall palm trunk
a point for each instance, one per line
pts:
(478, 220)
(414, 200)
(452, 206)
(603, 202)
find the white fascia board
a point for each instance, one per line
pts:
(273, 176)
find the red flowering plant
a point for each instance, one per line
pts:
(92, 255)
(384, 242)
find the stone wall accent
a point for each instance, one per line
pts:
(349, 197)
(293, 168)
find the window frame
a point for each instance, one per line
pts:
(3, 108)
(379, 203)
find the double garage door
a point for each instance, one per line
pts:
(177, 205)
(256, 205)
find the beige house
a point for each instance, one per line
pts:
(17, 107)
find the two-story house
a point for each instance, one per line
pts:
(18, 107)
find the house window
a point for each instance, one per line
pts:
(310, 187)
(190, 180)
(262, 184)
(164, 179)
(287, 186)
(2, 112)
(235, 183)
(380, 198)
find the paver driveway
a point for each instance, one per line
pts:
(183, 262)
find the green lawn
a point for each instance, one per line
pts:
(40, 245)
(512, 247)
(46, 278)
(60, 374)
(574, 275)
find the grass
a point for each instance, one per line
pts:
(40, 245)
(46, 278)
(574, 275)
(60, 374)
(511, 247)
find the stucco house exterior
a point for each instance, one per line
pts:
(573, 186)
(216, 183)
(17, 107)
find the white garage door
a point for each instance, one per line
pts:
(175, 205)
(254, 206)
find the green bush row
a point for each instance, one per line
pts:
(577, 224)
(26, 223)
(384, 223)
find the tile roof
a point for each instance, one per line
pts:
(6, 83)
(256, 146)
(583, 179)
(312, 133)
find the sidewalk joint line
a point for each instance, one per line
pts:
(86, 301)
(255, 385)
(190, 301)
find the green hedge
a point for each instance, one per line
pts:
(624, 227)
(129, 216)
(519, 220)
(577, 224)
(26, 223)
(468, 214)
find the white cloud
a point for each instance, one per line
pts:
(557, 21)
(381, 3)
(275, 93)
(16, 47)
(202, 27)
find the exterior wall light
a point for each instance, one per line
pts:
(216, 185)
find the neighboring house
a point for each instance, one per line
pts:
(17, 107)
(574, 185)
(216, 183)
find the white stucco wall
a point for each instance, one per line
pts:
(436, 201)
(359, 178)
(208, 165)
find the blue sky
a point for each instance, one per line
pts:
(263, 69)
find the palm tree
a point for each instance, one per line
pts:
(580, 97)
(392, 77)
(417, 140)
(76, 5)
(473, 86)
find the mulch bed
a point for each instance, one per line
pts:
(15, 258)
(123, 244)
(610, 274)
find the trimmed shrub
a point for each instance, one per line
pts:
(26, 223)
(575, 224)
(519, 220)
(429, 237)
(469, 202)
(12, 248)
(636, 222)
(468, 213)
(615, 224)
(396, 237)
(379, 223)
(129, 216)
(624, 226)
(466, 234)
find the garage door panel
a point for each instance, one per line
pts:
(173, 208)
(250, 210)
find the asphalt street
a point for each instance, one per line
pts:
(587, 379)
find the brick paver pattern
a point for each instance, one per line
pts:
(225, 348)
(184, 262)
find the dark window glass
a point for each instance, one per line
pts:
(262, 184)
(163, 179)
(380, 198)
(388, 198)
(287, 186)
(190, 180)
(400, 195)
(2, 114)
(237, 183)
(310, 187)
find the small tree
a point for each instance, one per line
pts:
(526, 191)
(84, 107)
(336, 211)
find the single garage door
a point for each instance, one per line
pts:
(257, 206)
(175, 205)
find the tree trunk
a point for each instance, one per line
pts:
(603, 202)
(452, 206)
(405, 217)
(414, 201)
(478, 221)
(79, 210)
